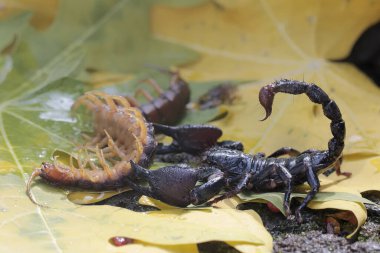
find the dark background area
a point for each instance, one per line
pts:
(366, 53)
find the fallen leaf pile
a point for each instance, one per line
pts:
(51, 53)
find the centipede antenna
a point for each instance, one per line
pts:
(37, 172)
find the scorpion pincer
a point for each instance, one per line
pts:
(232, 170)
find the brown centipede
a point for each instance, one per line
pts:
(169, 107)
(121, 135)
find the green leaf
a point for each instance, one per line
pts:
(115, 34)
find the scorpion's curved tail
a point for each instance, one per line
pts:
(318, 96)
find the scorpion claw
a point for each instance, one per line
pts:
(266, 97)
(171, 184)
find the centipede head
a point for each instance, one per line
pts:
(50, 173)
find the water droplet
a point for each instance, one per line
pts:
(88, 198)
(355, 138)
(120, 240)
(42, 154)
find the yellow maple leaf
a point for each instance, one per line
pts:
(269, 40)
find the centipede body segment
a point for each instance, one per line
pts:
(169, 107)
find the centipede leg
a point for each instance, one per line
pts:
(102, 161)
(111, 103)
(108, 152)
(82, 166)
(132, 101)
(72, 167)
(121, 101)
(88, 104)
(154, 84)
(94, 99)
(145, 94)
(114, 147)
(174, 79)
(91, 163)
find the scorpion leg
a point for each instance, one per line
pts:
(206, 191)
(188, 138)
(168, 149)
(287, 178)
(313, 181)
(239, 186)
(291, 152)
(236, 145)
(285, 151)
(337, 165)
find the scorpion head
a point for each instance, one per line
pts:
(227, 159)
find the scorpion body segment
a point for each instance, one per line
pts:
(235, 171)
(121, 134)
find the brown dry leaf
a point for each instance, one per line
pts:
(269, 40)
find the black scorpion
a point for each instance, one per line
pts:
(226, 167)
